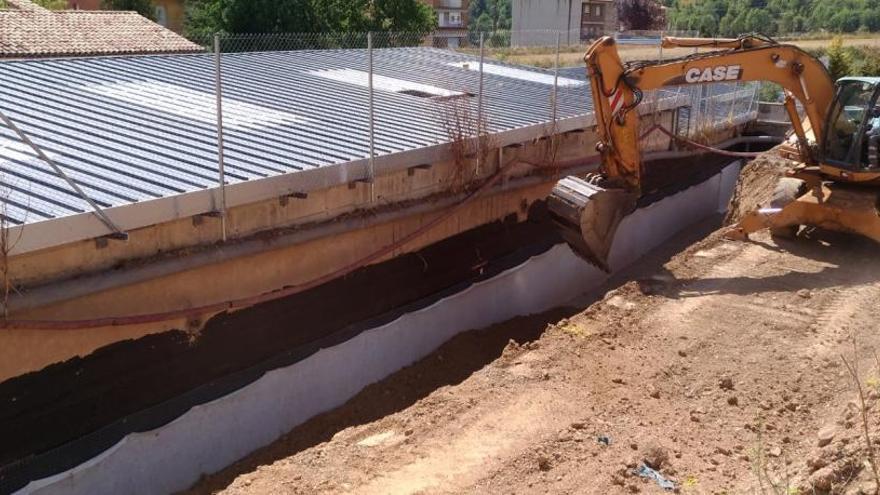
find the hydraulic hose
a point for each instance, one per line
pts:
(690, 142)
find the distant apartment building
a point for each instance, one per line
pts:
(452, 20)
(579, 20)
(167, 13)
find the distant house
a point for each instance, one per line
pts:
(452, 21)
(579, 20)
(28, 30)
(167, 13)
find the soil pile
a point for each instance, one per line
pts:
(756, 184)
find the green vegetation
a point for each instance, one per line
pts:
(735, 17)
(489, 15)
(142, 7)
(206, 17)
(839, 60)
(52, 4)
(850, 60)
(770, 92)
(640, 15)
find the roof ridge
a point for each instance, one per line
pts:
(69, 12)
(99, 12)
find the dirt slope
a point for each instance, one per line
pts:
(720, 366)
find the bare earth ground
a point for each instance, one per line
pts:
(720, 366)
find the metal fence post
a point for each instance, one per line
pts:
(752, 100)
(218, 90)
(733, 101)
(661, 45)
(116, 232)
(555, 82)
(372, 113)
(480, 107)
(656, 107)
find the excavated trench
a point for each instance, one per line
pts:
(166, 382)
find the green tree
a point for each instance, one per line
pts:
(839, 60)
(205, 17)
(483, 23)
(846, 21)
(870, 19)
(142, 7)
(705, 24)
(411, 16)
(737, 17)
(759, 21)
(787, 22)
(489, 15)
(51, 4)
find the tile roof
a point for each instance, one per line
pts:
(24, 5)
(28, 30)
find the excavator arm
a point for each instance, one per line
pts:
(590, 209)
(618, 89)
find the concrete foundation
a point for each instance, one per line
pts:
(215, 434)
(183, 264)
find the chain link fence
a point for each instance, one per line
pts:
(558, 54)
(459, 77)
(551, 58)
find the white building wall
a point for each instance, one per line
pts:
(533, 15)
(529, 17)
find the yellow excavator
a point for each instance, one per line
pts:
(835, 184)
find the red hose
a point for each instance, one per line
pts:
(717, 151)
(296, 289)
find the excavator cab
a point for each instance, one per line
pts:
(853, 128)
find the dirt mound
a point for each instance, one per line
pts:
(756, 184)
(718, 370)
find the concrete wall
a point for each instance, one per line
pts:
(265, 271)
(535, 14)
(82, 280)
(181, 237)
(531, 16)
(174, 10)
(174, 13)
(29, 350)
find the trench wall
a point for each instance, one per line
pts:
(82, 280)
(215, 434)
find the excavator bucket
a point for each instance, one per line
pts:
(588, 216)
